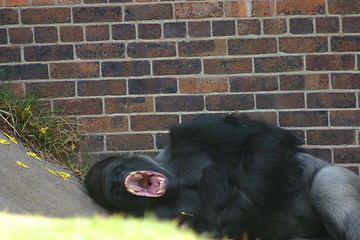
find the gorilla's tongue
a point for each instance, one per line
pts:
(145, 184)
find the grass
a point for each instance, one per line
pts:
(53, 137)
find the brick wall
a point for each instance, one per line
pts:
(129, 69)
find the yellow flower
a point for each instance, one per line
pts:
(43, 130)
(33, 155)
(4, 141)
(73, 147)
(64, 175)
(28, 109)
(11, 138)
(21, 164)
(51, 171)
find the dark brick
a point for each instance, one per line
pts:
(123, 31)
(223, 28)
(331, 100)
(101, 87)
(327, 25)
(198, 10)
(290, 7)
(22, 72)
(83, 106)
(45, 15)
(249, 26)
(304, 82)
(176, 67)
(48, 53)
(179, 103)
(345, 80)
(46, 34)
(129, 105)
(94, 142)
(162, 140)
(253, 83)
(344, 7)
(301, 25)
(94, 1)
(152, 86)
(151, 49)
(10, 54)
(3, 36)
(279, 64)
(104, 124)
(125, 68)
(53, 89)
(351, 24)
(330, 137)
(175, 30)
(269, 117)
(74, 70)
(71, 34)
(330, 62)
(149, 31)
(252, 46)
(203, 85)
(129, 142)
(345, 118)
(280, 101)
(303, 119)
(8, 16)
(153, 122)
(97, 32)
(230, 102)
(345, 44)
(347, 155)
(97, 14)
(320, 153)
(275, 26)
(227, 66)
(202, 48)
(20, 35)
(303, 44)
(148, 12)
(199, 29)
(100, 50)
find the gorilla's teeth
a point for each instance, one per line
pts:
(160, 191)
(131, 191)
(137, 189)
(136, 175)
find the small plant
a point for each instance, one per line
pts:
(52, 136)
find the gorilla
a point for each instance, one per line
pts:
(234, 177)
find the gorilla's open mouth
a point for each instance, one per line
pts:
(145, 183)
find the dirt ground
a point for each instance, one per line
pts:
(31, 189)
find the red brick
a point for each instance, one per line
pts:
(331, 100)
(25, 71)
(203, 85)
(330, 137)
(129, 105)
(17, 3)
(151, 49)
(304, 82)
(8, 16)
(48, 53)
(253, 83)
(43, 2)
(97, 14)
(330, 62)
(153, 122)
(175, 30)
(230, 102)
(236, 9)
(71, 34)
(152, 86)
(149, 31)
(129, 142)
(252, 46)
(347, 155)
(303, 119)
(199, 29)
(263, 8)
(101, 87)
(10, 54)
(123, 31)
(202, 48)
(100, 50)
(301, 25)
(327, 25)
(345, 118)
(280, 101)
(303, 44)
(20, 35)
(344, 7)
(179, 103)
(195, 10)
(83, 106)
(275, 26)
(345, 44)
(125, 68)
(345, 80)
(148, 12)
(54, 89)
(97, 32)
(46, 34)
(45, 15)
(279, 64)
(223, 28)
(227, 66)
(74, 70)
(249, 26)
(104, 124)
(176, 67)
(291, 7)
(351, 24)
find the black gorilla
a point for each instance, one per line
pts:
(232, 176)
